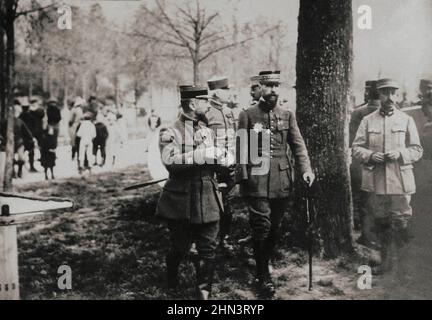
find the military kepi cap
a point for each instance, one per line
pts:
(425, 83)
(218, 83)
(387, 83)
(270, 77)
(255, 81)
(371, 84)
(191, 92)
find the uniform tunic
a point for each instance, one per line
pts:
(190, 192)
(275, 130)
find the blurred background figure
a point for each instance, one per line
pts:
(47, 150)
(153, 122)
(86, 132)
(27, 118)
(99, 142)
(53, 116)
(74, 121)
(117, 136)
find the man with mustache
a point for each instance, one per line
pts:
(222, 121)
(387, 144)
(267, 191)
(190, 202)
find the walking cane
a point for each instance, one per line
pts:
(309, 220)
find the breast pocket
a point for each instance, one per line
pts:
(375, 137)
(398, 135)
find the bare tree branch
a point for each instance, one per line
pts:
(211, 52)
(173, 27)
(156, 39)
(23, 13)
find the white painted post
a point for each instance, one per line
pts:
(9, 282)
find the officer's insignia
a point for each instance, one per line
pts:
(167, 137)
(258, 127)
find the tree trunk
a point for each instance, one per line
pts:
(196, 71)
(324, 70)
(10, 76)
(2, 75)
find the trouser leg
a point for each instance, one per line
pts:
(205, 237)
(226, 217)
(261, 225)
(179, 246)
(31, 160)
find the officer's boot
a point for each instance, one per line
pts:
(31, 161)
(265, 284)
(225, 230)
(173, 262)
(205, 273)
(385, 236)
(20, 167)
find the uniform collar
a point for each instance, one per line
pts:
(184, 117)
(387, 113)
(216, 105)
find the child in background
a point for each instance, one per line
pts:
(47, 148)
(86, 133)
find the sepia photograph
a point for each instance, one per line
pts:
(230, 150)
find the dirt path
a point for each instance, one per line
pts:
(115, 248)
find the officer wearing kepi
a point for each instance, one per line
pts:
(271, 130)
(256, 90)
(387, 144)
(221, 120)
(190, 202)
(365, 221)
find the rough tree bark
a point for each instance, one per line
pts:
(324, 68)
(9, 84)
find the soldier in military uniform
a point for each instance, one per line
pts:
(365, 222)
(221, 120)
(256, 90)
(426, 104)
(368, 86)
(266, 176)
(387, 144)
(27, 118)
(190, 202)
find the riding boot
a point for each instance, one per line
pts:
(204, 273)
(31, 161)
(173, 262)
(385, 236)
(265, 284)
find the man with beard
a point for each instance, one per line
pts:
(272, 131)
(387, 144)
(189, 201)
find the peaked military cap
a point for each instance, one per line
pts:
(218, 83)
(387, 83)
(255, 81)
(371, 84)
(425, 83)
(269, 77)
(191, 92)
